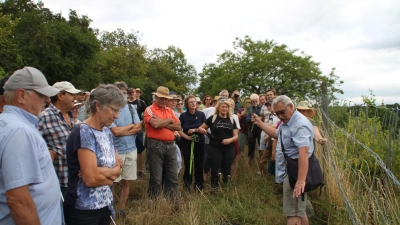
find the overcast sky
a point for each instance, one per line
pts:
(360, 38)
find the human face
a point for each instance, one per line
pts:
(172, 103)
(247, 103)
(68, 100)
(161, 102)
(138, 93)
(263, 100)
(284, 113)
(207, 100)
(254, 102)
(110, 113)
(179, 105)
(192, 104)
(75, 112)
(224, 94)
(305, 112)
(132, 95)
(223, 109)
(270, 95)
(34, 102)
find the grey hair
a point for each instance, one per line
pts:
(9, 95)
(121, 85)
(223, 91)
(104, 95)
(282, 98)
(254, 97)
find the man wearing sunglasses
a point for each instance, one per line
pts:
(296, 135)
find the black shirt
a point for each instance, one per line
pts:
(140, 106)
(221, 129)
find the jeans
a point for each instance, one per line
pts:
(197, 165)
(221, 159)
(162, 156)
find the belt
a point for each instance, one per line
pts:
(165, 142)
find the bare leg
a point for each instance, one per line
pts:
(295, 220)
(124, 194)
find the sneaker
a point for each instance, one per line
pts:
(258, 173)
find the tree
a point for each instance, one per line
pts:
(256, 66)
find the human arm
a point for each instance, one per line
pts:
(187, 137)
(203, 129)
(22, 206)
(91, 176)
(112, 173)
(302, 173)
(127, 130)
(232, 139)
(271, 131)
(318, 137)
(175, 126)
(274, 143)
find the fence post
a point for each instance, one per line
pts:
(325, 104)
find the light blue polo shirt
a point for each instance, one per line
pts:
(296, 133)
(25, 160)
(125, 144)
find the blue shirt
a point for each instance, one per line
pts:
(125, 144)
(101, 142)
(25, 160)
(296, 133)
(192, 121)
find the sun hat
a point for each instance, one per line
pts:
(31, 79)
(304, 105)
(66, 86)
(162, 92)
(197, 99)
(138, 89)
(216, 98)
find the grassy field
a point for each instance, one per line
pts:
(247, 200)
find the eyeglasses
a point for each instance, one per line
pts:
(208, 99)
(191, 102)
(114, 110)
(248, 102)
(282, 112)
(179, 104)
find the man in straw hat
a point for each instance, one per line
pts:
(27, 176)
(161, 122)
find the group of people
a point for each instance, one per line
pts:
(62, 149)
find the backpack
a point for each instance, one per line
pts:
(131, 110)
(215, 117)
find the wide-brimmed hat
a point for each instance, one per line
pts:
(138, 89)
(304, 105)
(162, 92)
(30, 78)
(66, 86)
(216, 98)
(197, 99)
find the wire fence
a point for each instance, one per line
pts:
(362, 161)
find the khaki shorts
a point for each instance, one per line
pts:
(292, 206)
(129, 170)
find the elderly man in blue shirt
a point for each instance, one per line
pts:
(28, 183)
(296, 133)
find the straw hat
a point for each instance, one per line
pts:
(304, 105)
(162, 92)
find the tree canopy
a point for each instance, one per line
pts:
(256, 66)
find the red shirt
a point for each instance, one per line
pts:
(162, 134)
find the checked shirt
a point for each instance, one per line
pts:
(55, 132)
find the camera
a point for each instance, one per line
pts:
(236, 95)
(177, 138)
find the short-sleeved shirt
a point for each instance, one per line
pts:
(296, 133)
(125, 144)
(192, 121)
(82, 112)
(162, 134)
(221, 129)
(101, 143)
(25, 160)
(55, 132)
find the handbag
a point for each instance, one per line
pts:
(314, 177)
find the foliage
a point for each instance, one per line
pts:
(256, 66)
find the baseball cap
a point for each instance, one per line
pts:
(66, 86)
(31, 79)
(2, 83)
(130, 89)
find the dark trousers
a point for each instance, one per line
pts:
(162, 158)
(139, 142)
(253, 137)
(221, 159)
(197, 165)
(86, 217)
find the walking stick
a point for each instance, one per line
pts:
(195, 138)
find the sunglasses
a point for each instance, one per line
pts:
(282, 112)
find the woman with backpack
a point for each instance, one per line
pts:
(223, 134)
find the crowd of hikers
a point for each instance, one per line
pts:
(62, 150)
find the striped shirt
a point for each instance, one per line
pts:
(55, 132)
